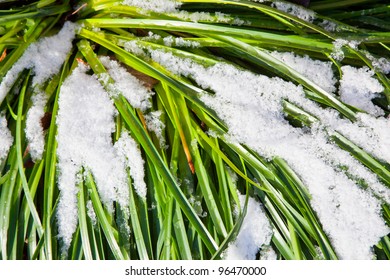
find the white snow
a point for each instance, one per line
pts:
(358, 87)
(255, 232)
(380, 64)
(338, 44)
(44, 57)
(85, 123)
(319, 72)
(171, 7)
(34, 130)
(159, 6)
(180, 42)
(251, 107)
(295, 10)
(6, 138)
(154, 124)
(125, 83)
(91, 213)
(128, 149)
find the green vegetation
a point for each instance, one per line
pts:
(191, 210)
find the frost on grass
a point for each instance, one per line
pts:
(6, 138)
(358, 87)
(154, 123)
(171, 7)
(34, 130)
(338, 44)
(128, 149)
(125, 83)
(255, 232)
(159, 6)
(44, 57)
(85, 123)
(251, 106)
(295, 10)
(180, 42)
(317, 71)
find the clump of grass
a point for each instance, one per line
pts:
(204, 178)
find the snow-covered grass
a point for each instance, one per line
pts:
(194, 130)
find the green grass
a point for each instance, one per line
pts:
(167, 225)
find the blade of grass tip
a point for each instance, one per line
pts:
(151, 151)
(362, 156)
(13, 222)
(19, 152)
(304, 199)
(145, 226)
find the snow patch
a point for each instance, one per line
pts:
(317, 71)
(358, 87)
(125, 83)
(128, 149)
(44, 57)
(251, 106)
(255, 232)
(154, 123)
(34, 130)
(6, 138)
(85, 123)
